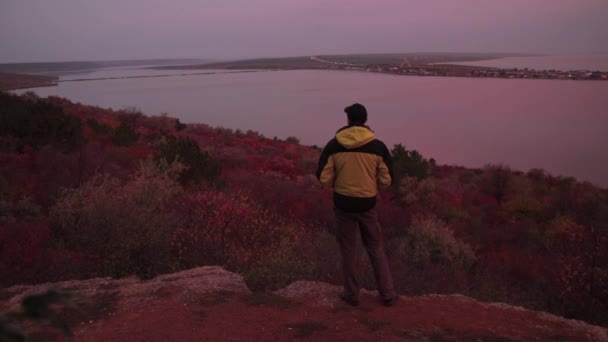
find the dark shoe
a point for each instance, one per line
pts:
(390, 301)
(350, 300)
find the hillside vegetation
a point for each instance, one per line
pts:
(88, 192)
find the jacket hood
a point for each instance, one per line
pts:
(354, 136)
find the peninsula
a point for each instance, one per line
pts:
(411, 64)
(10, 81)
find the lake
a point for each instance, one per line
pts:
(560, 126)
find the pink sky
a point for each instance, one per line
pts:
(58, 30)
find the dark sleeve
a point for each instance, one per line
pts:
(323, 159)
(388, 160)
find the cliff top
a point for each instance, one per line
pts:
(210, 303)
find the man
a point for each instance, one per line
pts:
(355, 164)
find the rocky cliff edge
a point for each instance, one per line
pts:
(210, 303)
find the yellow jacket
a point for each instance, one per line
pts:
(355, 164)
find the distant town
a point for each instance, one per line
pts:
(412, 68)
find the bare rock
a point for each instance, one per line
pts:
(129, 292)
(201, 303)
(315, 293)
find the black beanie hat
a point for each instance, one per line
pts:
(356, 113)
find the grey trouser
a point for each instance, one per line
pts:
(348, 225)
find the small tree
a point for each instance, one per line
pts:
(179, 126)
(36, 123)
(199, 165)
(408, 163)
(496, 179)
(97, 127)
(292, 140)
(124, 135)
(130, 115)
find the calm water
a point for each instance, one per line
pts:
(560, 126)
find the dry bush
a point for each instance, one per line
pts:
(325, 254)
(287, 264)
(229, 229)
(411, 190)
(428, 258)
(582, 268)
(127, 227)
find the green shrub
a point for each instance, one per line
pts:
(179, 126)
(162, 123)
(536, 175)
(279, 271)
(292, 140)
(97, 127)
(130, 115)
(408, 163)
(524, 206)
(36, 123)
(496, 179)
(127, 228)
(24, 209)
(124, 135)
(199, 165)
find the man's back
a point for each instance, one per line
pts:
(355, 164)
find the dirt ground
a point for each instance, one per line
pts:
(266, 317)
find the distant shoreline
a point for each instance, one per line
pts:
(405, 65)
(31, 75)
(7, 82)
(154, 76)
(11, 81)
